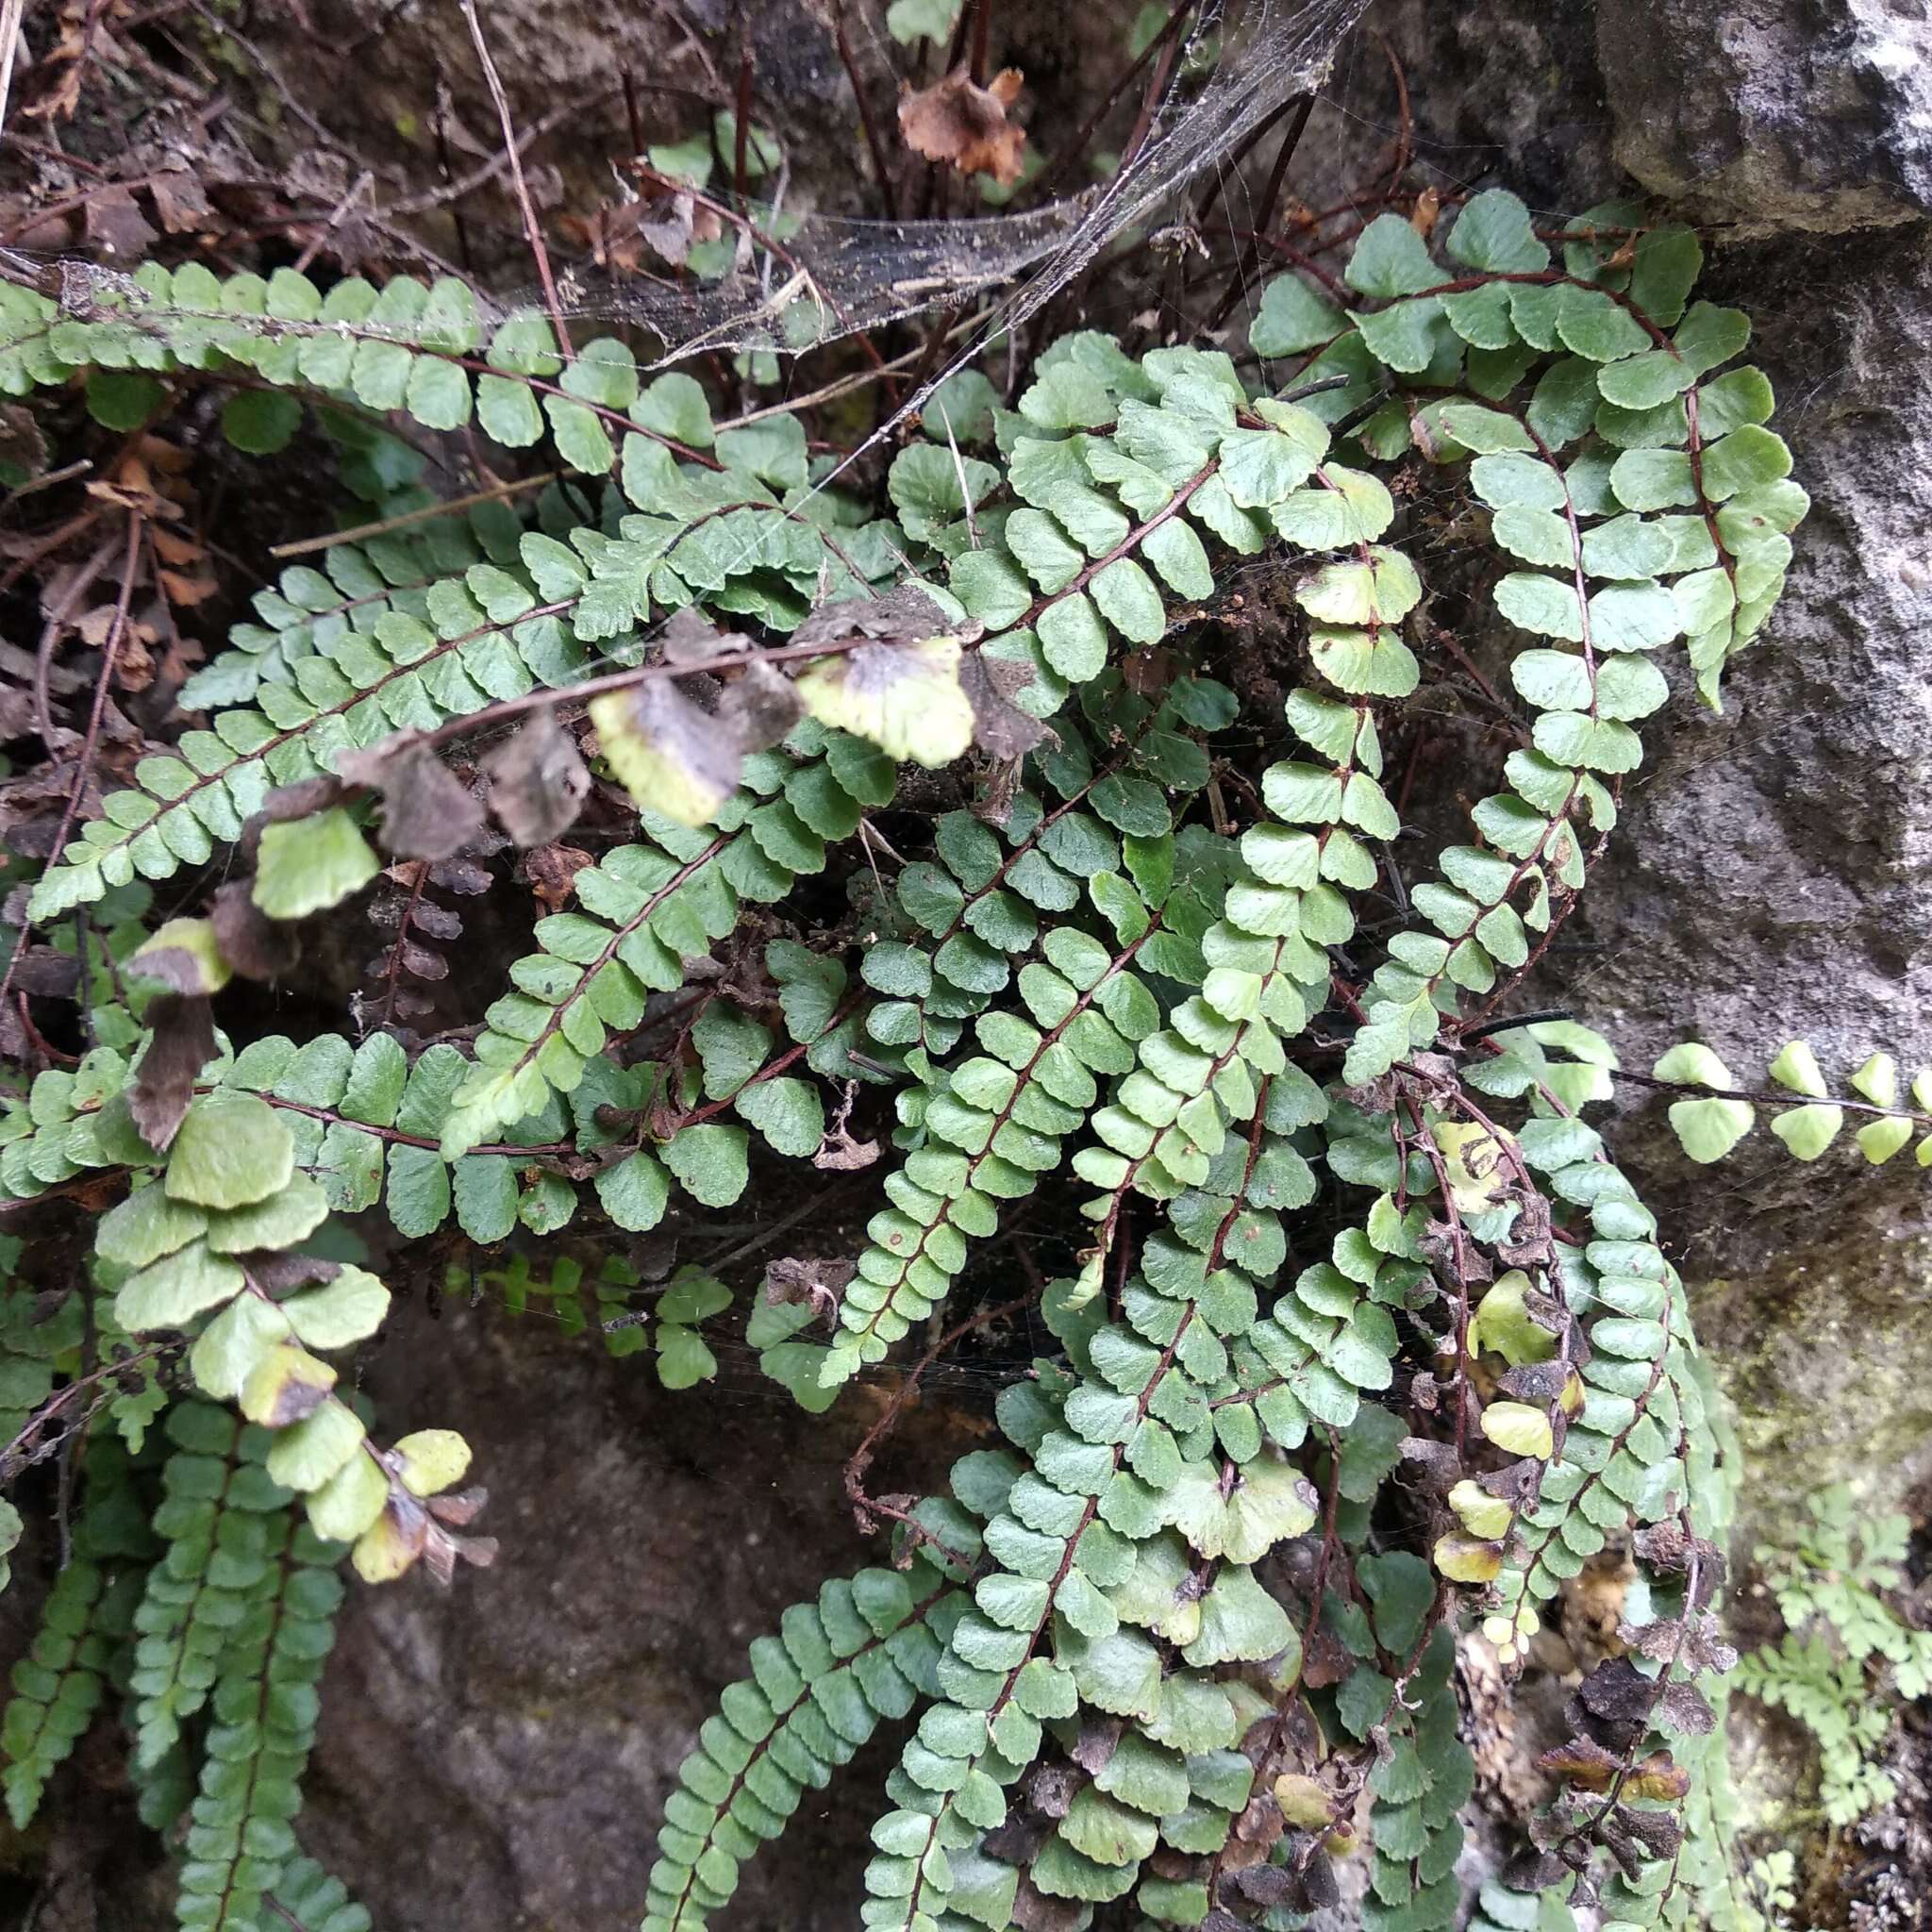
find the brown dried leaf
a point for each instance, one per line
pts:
(427, 812)
(1530, 1241)
(465, 875)
(1660, 1834)
(179, 202)
(551, 872)
(759, 706)
(667, 223)
(1618, 1695)
(281, 1273)
(423, 962)
(1533, 1871)
(690, 638)
(186, 591)
(1033, 1912)
(116, 228)
(1000, 727)
(41, 970)
(903, 615)
(1052, 1789)
(171, 546)
(438, 922)
(1149, 671)
(256, 946)
(1659, 1776)
(183, 1042)
(1539, 1383)
(1683, 1708)
(794, 1278)
(458, 1507)
(1325, 1658)
(1582, 1762)
(304, 796)
(538, 781)
(1263, 1885)
(839, 1152)
(961, 123)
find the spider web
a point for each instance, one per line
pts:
(832, 277)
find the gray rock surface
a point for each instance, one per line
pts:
(1773, 877)
(1779, 114)
(497, 1757)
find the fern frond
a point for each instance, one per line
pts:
(85, 1624)
(493, 632)
(817, 1691)
(974, 913)
(215, 1526)
(408, 346)
(32, 1339)
(993, 1125)
(58, 1685)
(350, 590)
(1096, 1630)
(305, 1898)
(265, 1700)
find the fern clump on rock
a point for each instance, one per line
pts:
(1364, 1342)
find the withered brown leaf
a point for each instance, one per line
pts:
(538, 781)
(999, 727)
(1093, 1749)
(306, 795)
(904, 613)
(427, 812)
(961, 123)
(839, 1152)
(552, 872)
(256, 946)
(116, 228)
(761, 705)
(1052, 1787)
(819, 1285)
(182, 1042)
(1583, 1763)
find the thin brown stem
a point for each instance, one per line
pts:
(533, 231)
(384, 526)
(1076, 148)
(888, 193)
(864, 1507)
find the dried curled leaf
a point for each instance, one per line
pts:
(905, 613)
(668, 754)
(182, 1042)
(810, 1283)
(427, 812)
(537, 782)
(185, 955)
(761, 705)
(1583, 1763)
(252, 943)
(957, 121)
(1001, 729)
(905, 698)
